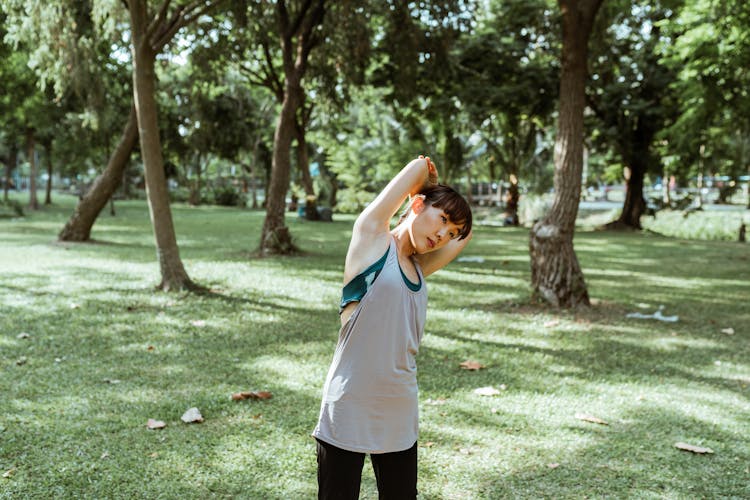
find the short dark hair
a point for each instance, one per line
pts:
(452, 203)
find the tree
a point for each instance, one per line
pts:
(150, 31)
(556, 275)
(23, 106)
(631, 94)
(298, 37)
(72, 57)
(107, 95)
(78, 227)
(710, 52)
(508, 74)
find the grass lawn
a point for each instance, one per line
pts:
(89, 352)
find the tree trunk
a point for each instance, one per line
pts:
(699, 197)
(666, 191)
(332, 181)
(512, 197)
(253, 178)
(78, 227)
(125, 182)
(275, 237)
(634, 204)
(303, 164)
(48, 162)
(555, 272)
(31, 153)
(195, 186)
(173, 274)
(10, 166)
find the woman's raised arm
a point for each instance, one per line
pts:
(376, 217)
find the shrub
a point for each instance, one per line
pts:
(229, 196)
(11, 208)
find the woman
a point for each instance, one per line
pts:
(370, 395)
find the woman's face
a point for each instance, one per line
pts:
(432, 229)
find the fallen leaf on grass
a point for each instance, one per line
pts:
(155, 424)
(150, 348)
(694, 449)
(429, 444)
(728, 331)
(239, 396)
(23, 335)
(111, 381)
(553, 466)
(8, 473)
(21, 361)
(471, 365)
(75, 306)
(193, 415)
(435, 402)
(550, 324)
(105, 455)
(590, 418)
(487, 391)
(198, 322)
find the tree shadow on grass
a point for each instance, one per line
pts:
(634, 457)
(596, 357)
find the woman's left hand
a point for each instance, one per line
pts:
(432, 173)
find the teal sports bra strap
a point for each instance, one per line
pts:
(358, 286)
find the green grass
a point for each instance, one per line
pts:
(92, 316)
(703, 225)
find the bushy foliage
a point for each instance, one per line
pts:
(10, 208)
(229, 196)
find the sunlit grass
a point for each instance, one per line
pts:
(105, 353)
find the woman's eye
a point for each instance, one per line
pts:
(452, 235)
(444, 219)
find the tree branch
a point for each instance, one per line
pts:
(310, 22)
(158, 20)
(276, 85)
(184, 15)
(306, 40)
(253, 76)
(283, 16)
(301, 16)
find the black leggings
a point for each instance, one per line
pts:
(340, 473)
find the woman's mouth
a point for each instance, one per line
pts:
(430, 243)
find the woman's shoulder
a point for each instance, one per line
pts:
(364, 249)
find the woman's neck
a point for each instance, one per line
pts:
(403, 240)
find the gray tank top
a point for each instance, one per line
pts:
(370, 400)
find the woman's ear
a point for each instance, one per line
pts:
(418, 204)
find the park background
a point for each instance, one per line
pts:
(239, 140)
